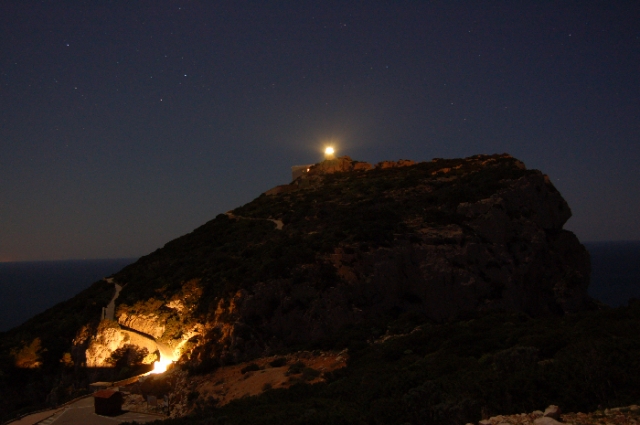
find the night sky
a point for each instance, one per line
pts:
(125, 124)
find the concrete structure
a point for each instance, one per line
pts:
(108, 402)
(97, 386)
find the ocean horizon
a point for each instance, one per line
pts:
(31, 287)
(28, 288)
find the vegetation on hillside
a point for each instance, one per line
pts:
(459, 372)
(44, 340)
(365, 210)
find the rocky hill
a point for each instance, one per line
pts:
(359, 242)
(346, 246)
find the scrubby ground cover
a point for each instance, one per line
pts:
(361, 209)
(461, 372)
(44, 341)
(441, 373)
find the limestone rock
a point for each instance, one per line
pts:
(108, 338)
(341, 164)
(147, 324)
(552, 411)
(394, 164)
(546, 420)
(362, 166)
(474, 234)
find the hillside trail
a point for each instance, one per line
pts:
(109, 312)
(147, 341)
(135, 336)
(279, 224)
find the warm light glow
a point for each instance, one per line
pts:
(329, 151)
(161, 366)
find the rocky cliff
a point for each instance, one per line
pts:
(360, 243)
(349, 255)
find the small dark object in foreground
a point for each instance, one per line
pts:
(108, 402)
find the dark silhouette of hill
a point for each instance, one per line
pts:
(362, 251)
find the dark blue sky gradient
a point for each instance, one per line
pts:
(126, 124)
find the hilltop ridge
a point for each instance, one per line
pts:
(345, 247)
(436, 238)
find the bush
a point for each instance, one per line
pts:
(309, 374)
(251, 367)
(279, 362)
(296, 369)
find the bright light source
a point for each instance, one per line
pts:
(329, 151)
(161, 366)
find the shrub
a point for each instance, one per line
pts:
(278, 362)
(251, 367)
(295, 368)
(309, 374)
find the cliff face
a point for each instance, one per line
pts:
(436, 238)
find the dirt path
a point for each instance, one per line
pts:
(279, 224)
(109, 312)
(136, 337)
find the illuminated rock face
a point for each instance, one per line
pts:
(28, 357)
(147, 324)
(108, 338)
(165, 328)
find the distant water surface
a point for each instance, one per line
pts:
(29, 288)
(615, 271)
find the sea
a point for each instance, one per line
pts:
(28, 288)
(615, 271)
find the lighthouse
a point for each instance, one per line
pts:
(329, 153)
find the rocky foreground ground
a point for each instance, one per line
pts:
(629, 415)
(233, 382)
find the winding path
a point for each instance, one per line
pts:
(142, 339)
(136, 337)
(109, 312)
(279, 224)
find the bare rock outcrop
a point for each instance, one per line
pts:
(108, 338)
(504, 251)
(395, 164)
(553, 416)
(148, 324)
(553, 412)
(341, 164)
(439, 238)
